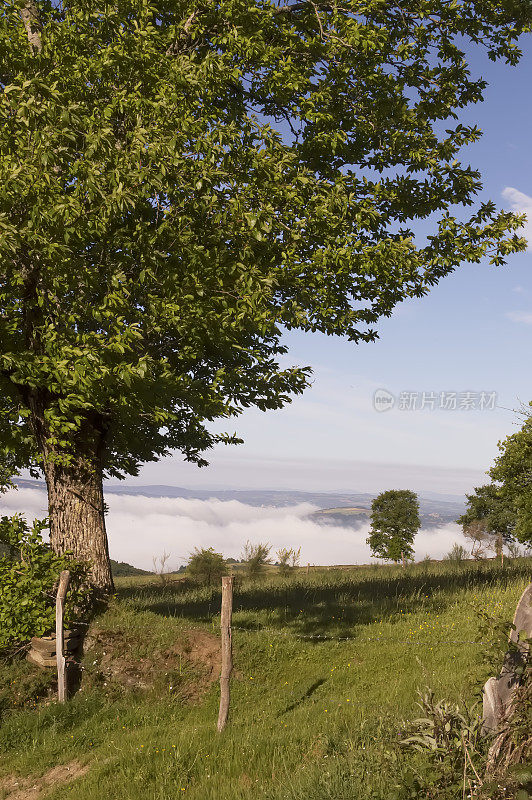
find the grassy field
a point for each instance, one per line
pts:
(327, 665)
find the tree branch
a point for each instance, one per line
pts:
(32, 23)
(173, 49)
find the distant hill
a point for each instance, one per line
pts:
(437, 509)
(122, 570)
(119, 568)
(432, 514)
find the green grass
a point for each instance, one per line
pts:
(311, 718)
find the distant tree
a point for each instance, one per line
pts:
(394, 524)
(480, 537)
(513, 472)
(515, 550)
(489, 520)
(256, 557)
(456, 554)
(288, 559)
(159, 230)
(160, 566)
(206, 566)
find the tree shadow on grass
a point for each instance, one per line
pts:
(310, 691)
(328, 604)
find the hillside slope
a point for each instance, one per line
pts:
(326, 668)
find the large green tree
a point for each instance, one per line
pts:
(394, 524)
(513, 471)
(180, 182)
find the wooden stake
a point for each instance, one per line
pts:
(308, 568)
(403, 558)
(64, 579)
(227, 651)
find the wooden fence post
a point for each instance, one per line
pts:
(227, 651)
(64, 579)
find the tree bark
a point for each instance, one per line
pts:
(77, 521)
(74, 480)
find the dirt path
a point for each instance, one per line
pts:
(14, 787)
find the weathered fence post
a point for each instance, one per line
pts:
(227, 651)
(308, 568)
(64, 579)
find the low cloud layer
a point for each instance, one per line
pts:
(141, 528)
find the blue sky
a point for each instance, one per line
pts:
(471, 333)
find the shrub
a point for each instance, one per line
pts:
(451, 740)
(457, 554)
(29, 572)
(206, 566)
(255, 557)
(516, 551)
(288, 559)
(160, 568)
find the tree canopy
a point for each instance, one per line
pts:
(513, 470)
(180, 183)
(489, 505)
(394, 524)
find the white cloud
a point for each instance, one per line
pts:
(522, 204)
(31, 502)
(436, 542)
(524, 317)
(143, 527)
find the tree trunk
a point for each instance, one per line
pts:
(74, 479)
(76, 512)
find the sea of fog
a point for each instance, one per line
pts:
(143, 528)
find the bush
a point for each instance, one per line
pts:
(206, 566)
(516, 551)
(454, 749)
(255, 557)
(29, 572)
(457, 554)
(288, 559)
(160, 567)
